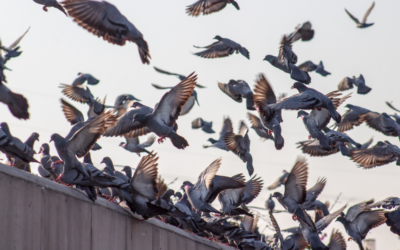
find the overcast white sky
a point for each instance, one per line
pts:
(56, 49)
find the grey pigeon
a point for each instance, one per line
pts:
(128, 172)
(337, 242)
(205, 126)
(363, 23)
(123, 103)
(295, 191)
(12, 50)
(17, 104)
(270, 203)
(351, 118)
(57, 165)
(133, 145)
(222, 48)
(82, 78)
(360, 219)
(209, 6)
(166, 113)
(190, 102)
(314, 148)
(208, 186)
(80, 140)
(271, 118)
(50, 3)
(220, 143)
(110, 169)
(309, 98)
(257, 125)
(46, 162)
(295, 73)
(347, 83)
(305, 33)
(181, 77)
(286, 54)
(280, 181)
(104, 20)
(237, 90)
(30, 142)
(393, 220)
(239, 144)
(309, 66)
(340, 137)
(123, 194)
(311, 235)
(381, 154)
(382, 123)
(231, 199)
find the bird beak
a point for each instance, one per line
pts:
(50, 140)
(292, 87)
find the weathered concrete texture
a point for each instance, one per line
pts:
(38, 214)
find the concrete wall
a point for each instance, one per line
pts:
(36, 213)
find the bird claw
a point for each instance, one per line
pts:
(309, 137)
(161, 139)
(294, 217)
(349, 239)
(270, 132)
(45, 8)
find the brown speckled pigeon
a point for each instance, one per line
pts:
(209, 6)
(222, 48)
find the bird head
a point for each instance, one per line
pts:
(299, 86)
(186, 183)
(341, 218)
(44, 148)
(79, 73)
(269, 58)
(108, 170)
(131, 98)
(35, 136)
(277, 195)
(106, 160)
(349, 106)
(137, 105)
(302, 114)
(122, 144)
(126, 168)
(178, 195)
(219, 38)
(169, 193)
(56, 138)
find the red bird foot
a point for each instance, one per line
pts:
(343, 144)
(309, 137)
(294, 217)
(161, 139)
(317, 108)
(349, 239)
(45, 8)
(270, 132)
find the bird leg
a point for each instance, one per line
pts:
(161, 139)
(349, 239)
(270, 132)
(45, 8)
(294, 217)
(59, 178)
(309, 137)
(318, 108)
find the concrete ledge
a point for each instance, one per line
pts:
(38, 214)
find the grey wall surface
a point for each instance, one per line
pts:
(36, 213)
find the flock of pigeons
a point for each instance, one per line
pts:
(145, 193)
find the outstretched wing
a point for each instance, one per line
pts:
(364, 20)
(352, 17)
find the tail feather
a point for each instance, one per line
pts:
(279, 141)
(178, 141)
(143, 51)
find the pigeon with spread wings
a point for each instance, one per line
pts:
(220, 143)
(363, 23)
(237, 90)
(222, 48)
(381, 154)
(209, 6)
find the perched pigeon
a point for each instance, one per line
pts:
(270, 203)
(12, 50)
(295, 73)
(239, 144)
(166, 113)
(17, 104)
(13, 147)
(237, 90)
(20, 164)
(382, 123)
(305, 33)
(257, 125)
(128, 172)
(271, 118)
(360, 219)
(280, 181)
(381, 154)
(347, 83)
(351, 118)
(223, 48)
(208, 186)
(190, 102)
(82, 78)
(231, 199)
(309, 66)
(309, 98)
(46, 162)
(51, 3)
(363, 23)
(104, 20)
(110, 169)
(205, 126)
(209, 6)
(133, 145)
(220, 143)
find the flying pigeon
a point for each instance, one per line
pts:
(181, 78)
(280, 181)
(133, 145)
(381, 154)
(12, 50)
(261, 131)
(351, 118)
(209, 6)
(17, 104)
(347, 83)
(205, 126)
(305, 33)
(82, 78)
(363, 23)
(295, 73)
(223, 48)
(382, 123)
(51, 3)
(237, 90)
(123, 103)
(220, 143)
(309, 66)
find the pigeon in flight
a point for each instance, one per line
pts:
(305, 33)
(181, 77)
(133, 145)
(363, 23)
(220, 143)
(309, 66)
(222, 48)
(82, 78)
(209, 6)
(12, 50)
(347, 83)
(257, 125)
(205, 126)
(17, 103)
(381, 154)
(382, 123)
(351, 118)
(51, 3)
(295, 73)
(280, 181)
(237, 90)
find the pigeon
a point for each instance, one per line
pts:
(393, 220)
(208, 186)
(351, 118)
(190, 102)
(280, 181)
(166, 113)
(74, 115)
(388, 203)
(340, 137)
(57, 165)
(295, 73)
(133, 145)
(45, 162)
(347, 83)
(205, 126)
(110, 170)
(123, 194)
(363, 23)
(286, 54)
(264, 96)
(123, 103)
(13, 147)
(270, 204)
(17, 103)
(305, 33)
(360, 219)
(381, 154)
(313, 148)
(128, 172)
(309, 98)
(181, 78)
(337, 242)
(51, 3)
(12, 50)
(239, 144)
(223, 48)
(104, 20)
(237, 90)
(309, 66)
(209, 6)
(80, 140)
(295, 191)
(82, 78)
(220, 143)
(261, 131)
(231, 199)
(382, 123)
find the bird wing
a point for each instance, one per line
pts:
(171, 103)
(138, 131)
(315, 191)
(295, 186)
(352, 17)
(230, 198)
(196, 8)
(132, 140)
(91, 80)
(80, 93)
(367, 220)
(298, 101)
(378, 155)
(72, 114)
(346, 83)
(313, 148)
(208, 174)
(307, 66)
(243, 128)
(150, 140)
(364, 20)
(374, 120)
(234, 143)
(321, 117)
(145, 176)
(263, 93)
(247, 222)
(226, 127)
(126, 124)
(324, 222)
(244, 52)
(252, 189)
(216, 50)
(275, 184)
(14, 44)
(165, 72)
(354, 210)
(197, 123)
(276, 227)
(336, 241)
(83, 140)
(233, 89)
(255, 121)
(214, 7)
(348, 121)
(391, 106)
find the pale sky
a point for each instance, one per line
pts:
(56, 49)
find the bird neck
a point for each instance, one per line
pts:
(30, 142)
